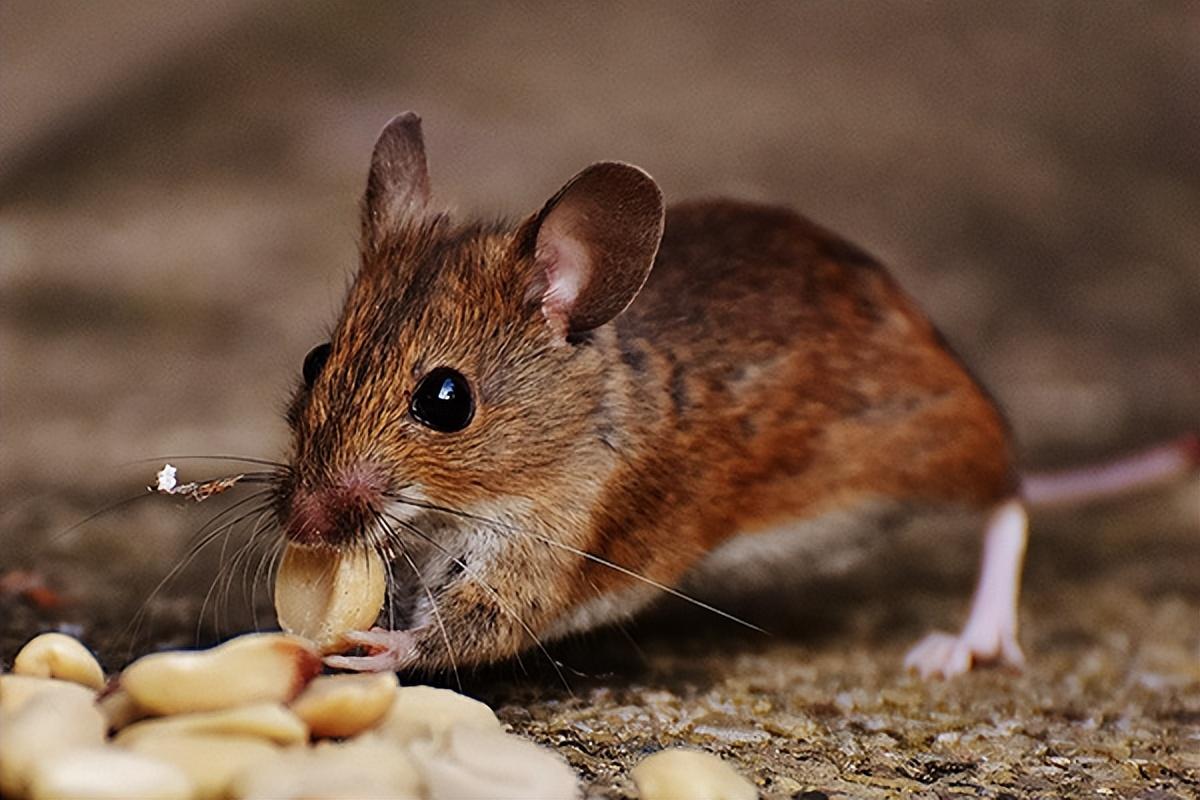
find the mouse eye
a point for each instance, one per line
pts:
(313, 362)
(442, 401)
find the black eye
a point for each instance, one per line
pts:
(442, 401)
(313, 362)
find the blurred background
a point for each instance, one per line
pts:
(178, 217)
(179, 186)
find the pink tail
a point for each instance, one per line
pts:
(1155, 465)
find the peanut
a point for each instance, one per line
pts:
(55, 655)
(268, 721)
(472, 764)
(211, 763)
(323, 594)
(423, 712)
(345, 705)
(350, 770)
(17, 690)
(46, 725)
(679, 774)
(261, 667)
(107, 773)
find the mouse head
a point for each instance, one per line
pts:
(462, 381)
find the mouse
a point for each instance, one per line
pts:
(543, 425)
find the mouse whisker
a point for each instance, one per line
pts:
(240, 563)
(623, 629)
(207, 534)
(255, 478)
(227, 571)
(249, 478)
(377, 541)
(198, 544)
(278, 548)
(96, 514)
(259, 495)
(649, 581)
(223, 578)
(408, 526)
(224, 574)
(278, 465)
(274, 545)
(217, 579)
(586, 555)
(437, 612)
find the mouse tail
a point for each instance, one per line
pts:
(1145, 468)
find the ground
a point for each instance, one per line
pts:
(178, 190)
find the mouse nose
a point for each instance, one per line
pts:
(336, 513)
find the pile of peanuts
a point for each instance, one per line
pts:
(250, 719)
(253, 718)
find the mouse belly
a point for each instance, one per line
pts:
(751, 563)
(833, 543)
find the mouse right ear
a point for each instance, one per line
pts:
(398, 184)
(593, 245)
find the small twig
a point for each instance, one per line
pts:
(196, 490)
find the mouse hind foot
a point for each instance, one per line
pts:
(990, 633)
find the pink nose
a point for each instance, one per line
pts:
(335, 514)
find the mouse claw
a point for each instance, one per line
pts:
(938, 655)
(942, 655)
(387, 651)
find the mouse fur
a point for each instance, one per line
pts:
(648, 385)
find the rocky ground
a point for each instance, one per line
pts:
(177, 220)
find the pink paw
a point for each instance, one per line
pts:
(387, 651)
(941, 655)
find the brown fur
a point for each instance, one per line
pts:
(768, 371)
(771, 372)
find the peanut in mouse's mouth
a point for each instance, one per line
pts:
(324, 594)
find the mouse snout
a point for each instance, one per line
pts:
(334, 513)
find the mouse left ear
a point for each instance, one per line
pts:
(398, 184)
(593, 245)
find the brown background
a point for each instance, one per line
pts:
(178, 189)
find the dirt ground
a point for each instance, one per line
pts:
(178, 190)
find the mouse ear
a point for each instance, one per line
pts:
(594, 243)
(398, 184)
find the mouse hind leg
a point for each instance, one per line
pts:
(990, 632)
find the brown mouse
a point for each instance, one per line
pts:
(543, 424)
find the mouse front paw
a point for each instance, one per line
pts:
(943, 655)
(387, 651)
